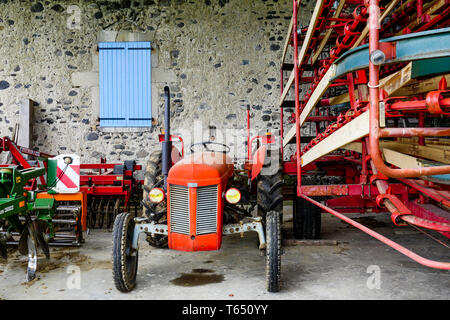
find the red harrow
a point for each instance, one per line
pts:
(104, 188)
(110, 189)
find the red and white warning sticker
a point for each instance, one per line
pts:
(67, 173)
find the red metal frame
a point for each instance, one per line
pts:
(297, 100)
(410, 201)
(172, 137)
(18, 158)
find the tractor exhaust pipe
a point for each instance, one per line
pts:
(167, 144)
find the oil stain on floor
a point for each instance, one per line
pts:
(198, 277)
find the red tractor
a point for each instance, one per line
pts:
(190, 203)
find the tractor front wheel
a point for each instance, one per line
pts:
(124, 256)
(273, 251)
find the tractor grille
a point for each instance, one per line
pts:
(179, 209)
(206, 210)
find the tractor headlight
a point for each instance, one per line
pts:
(156, 195)
(233, 195)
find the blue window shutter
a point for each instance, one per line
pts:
(125, 84)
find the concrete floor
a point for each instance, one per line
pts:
(237, 271)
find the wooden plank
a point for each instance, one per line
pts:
(288, 40)
(435, 154)
(26, 119)
(428, 9)
(404, 161)
(343, 98)
(353, 146)
(288, 137)
(322, 242)
(317, 94)
(309, 33)
(396, 80)
(365, 32)
(328, 33)
(401, 83)
(401, 160)
(305, 46)
(340, 99)
(415, 86)
(403, 6)
(438, 143)
(315, 97)
(286, 89)
(431, 141)
(355, 129)
(288, 37)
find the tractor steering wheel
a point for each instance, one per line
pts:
(205, 146)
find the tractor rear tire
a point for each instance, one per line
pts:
(153, 175)
(124, 257)
(306, 219)
(269, 193)
(273, 251)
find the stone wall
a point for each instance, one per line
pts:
(216, 55)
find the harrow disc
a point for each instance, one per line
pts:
(109, 208)
(100, 213)
(92, 213)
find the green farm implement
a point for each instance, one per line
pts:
(24, 220)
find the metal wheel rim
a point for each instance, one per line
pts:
(130, 253)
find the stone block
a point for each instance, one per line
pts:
(161, 75)
(107, 36)
(85, 79)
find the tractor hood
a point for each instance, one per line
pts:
(202, 168)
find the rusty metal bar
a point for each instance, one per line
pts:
(401, 211)
(376, 235)
(433, 194)
(414, 132)
(281, 115)
(297, 100)
(375, 132)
